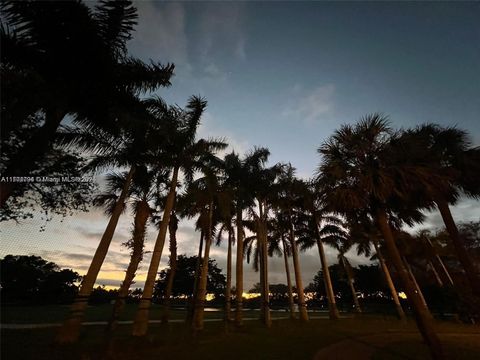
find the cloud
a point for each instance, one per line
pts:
(240, 51)
(313, 106)
(221, 31)
(464, 211)
(160, 34)
(200, 51)
(210, 127)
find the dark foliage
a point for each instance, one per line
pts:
(185, 276)
(31, 279)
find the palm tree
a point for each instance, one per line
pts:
(144, 187)
(447, 153)
(364, 233)
(262, 181)
(189, 207)
(209, 195)
(359, 172)
(278, 245)
(409, 248)
(320, 227)
(227, 225)
(181, 151)
(172, 230)
(238, 179)
(420, 254)
(347, 267)
(426, 239)
(73, 61)
(130, 149)
(287, 198)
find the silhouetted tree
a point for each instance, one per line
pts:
(31, 279)
(63, 59)
(184, 279)
(360, 172)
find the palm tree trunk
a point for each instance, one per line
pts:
(140, 324)
(348, 270)
(262, 236)
(22, 163)
(422, 315)
(172, 229)
(435, 273)
(291, 303)
(445, 270)
(332, 305)
(414, 279)
(266, 286)
(141, 218)
(302, 307)
(441, 263)
(70, 330)
(239, 270)
(462, 254)
(262, 275)
(391, 285)
(198, 266)
(229, 278)
(197, 323)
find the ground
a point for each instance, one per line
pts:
(362, 337)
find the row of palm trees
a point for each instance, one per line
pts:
(91, 95)
(372, 173)
(280, 207)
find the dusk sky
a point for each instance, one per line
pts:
(285, 75)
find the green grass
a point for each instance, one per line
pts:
(285, 340)
(56, 313)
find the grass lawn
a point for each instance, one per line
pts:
(56, 313)
(285, 340)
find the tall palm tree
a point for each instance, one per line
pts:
(420, 255)
(145, 186)
(427, 240)
(359, 172)
(318, 228)
(238, 179)
(447, 153)
(409, 248)
(277, 245)
(172, 230)
(131, 148)
(280, 246)
(347, 267)
(181, 151)
(262, 181)
(209, 195)
(227, 225)
(364, 233)
(189, 207)
(287, 198)
(73, 61)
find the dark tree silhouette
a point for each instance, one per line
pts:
(360, 172)
(65, 59)
(31, 279)
(184, 279)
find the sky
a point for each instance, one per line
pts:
(285, 75)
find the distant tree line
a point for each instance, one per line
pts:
(31, 279)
